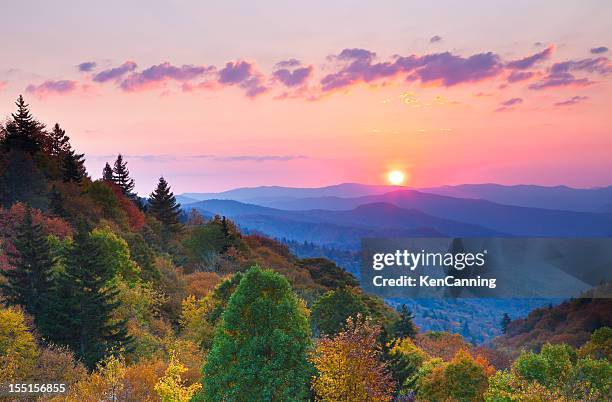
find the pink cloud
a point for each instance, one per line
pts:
(50, 87)
(115, 73)
(156, 75)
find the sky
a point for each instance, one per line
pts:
(218, 95)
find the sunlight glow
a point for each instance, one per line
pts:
(396, 177)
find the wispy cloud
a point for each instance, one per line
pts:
(530, 61)
(572, 101)
(166, 158)
(86, 66)
(155, 75)
(599, 50)
(115, 73)
(435, 39)
(509, 104)
(563, 74)
(51, 87)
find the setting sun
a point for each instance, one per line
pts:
(396, 177)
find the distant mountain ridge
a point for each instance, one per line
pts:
(554, 197)
(266, 194)
(598, 199)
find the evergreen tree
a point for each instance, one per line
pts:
(56, 203)
(404, 327)
(29, 282)
(121, 177)
(163, 206)
(23, 133)
(259, 352)
(505, 321)
(107, 173)
(59, 142)
(80, 309)
(73, 167)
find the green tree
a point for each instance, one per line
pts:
(163, 206)
(404, 327)
(81, 306)
(330, 312)
(505, 321)
(121, 177)
(59, 142)
(23, 132)
(73, 167)
(259, 351)
(29, 282)
(107, 173)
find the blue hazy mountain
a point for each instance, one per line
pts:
(267, 194)
(340, 229)
(557, 197)
(513, 220)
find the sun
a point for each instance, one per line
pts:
(396, 177)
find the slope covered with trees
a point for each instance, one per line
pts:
(124, 299)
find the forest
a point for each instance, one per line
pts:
(129, 298)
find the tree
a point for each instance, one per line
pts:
(29, 282)
(59, 142)
(107, 173)
(349, 366)
(462, 379)
(121, 177)
(17, 346)
(404, 359)
(505, 321)
(73, 167)
(163, 206)
(170, 387)
(404, 327)
(23, 133)
(330, 312)
(83, 301)
(259, 351)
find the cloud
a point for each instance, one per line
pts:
(86, 66)
(295, 77)
(115, 73)
(599, 50)
(251, 158)
(507, 105)
(561, 74)
(572, 101)
(517, 76)
(157, 74)
(3, 84)
(243, 74)
(50, 87)
(287, 63)
(446, 68)
(530, 61)
(435, 38)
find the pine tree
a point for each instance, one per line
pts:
(59, 142)
(23, 133)
(73, 167)
(80, 309)
(121, 177)
(29, 282)
(405, 327)
(505, 321)
(163, 206)
(107, 173)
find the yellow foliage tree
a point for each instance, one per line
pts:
(349, 366)
(171, 388)
(17, 347)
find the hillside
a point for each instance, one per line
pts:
(571, 322)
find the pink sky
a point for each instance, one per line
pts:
(226, 96)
